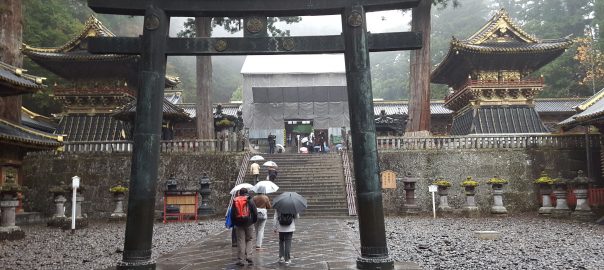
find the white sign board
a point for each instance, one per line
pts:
(432, 188)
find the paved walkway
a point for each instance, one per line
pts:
(315, 242)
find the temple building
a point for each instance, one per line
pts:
(291, 95)
(98, 85)
(16, 139)
(488, 74)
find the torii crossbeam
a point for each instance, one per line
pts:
(154, 45)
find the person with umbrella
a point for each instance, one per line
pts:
(288, 206)
(244, 214)
(263, 203)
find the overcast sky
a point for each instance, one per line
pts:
(377, 22)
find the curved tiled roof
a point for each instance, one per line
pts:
(73, 61)
(84, 127)
(16, 81)
(499, 45)
(92, 28)
(227, 109)
(22, 136)
(170, 111)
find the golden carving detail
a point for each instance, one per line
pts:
(510, 75)
(254, 25)
(488, 76)
(355, 19)
(220, 45)
(288, 44)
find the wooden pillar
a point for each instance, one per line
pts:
(147, 135)
(374, 250)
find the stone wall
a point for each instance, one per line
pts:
(100, 171)
(519, 166)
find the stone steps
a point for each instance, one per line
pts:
(317, 177)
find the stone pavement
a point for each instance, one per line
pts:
(315, 242)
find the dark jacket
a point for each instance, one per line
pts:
(253, 213)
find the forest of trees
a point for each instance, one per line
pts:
(578, 72)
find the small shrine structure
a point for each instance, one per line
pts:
(17, 139)
(489, 76)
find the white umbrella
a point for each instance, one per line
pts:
(265, 187)
(270, 163)
(280, 146)
(247, 186)
(257, 158)
(305, 139)
(303, 149)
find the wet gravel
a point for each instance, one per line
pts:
(524, 243)
(97, 247)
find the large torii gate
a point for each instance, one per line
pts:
(154, 45)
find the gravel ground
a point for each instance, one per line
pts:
(97, 247)
(527, 242)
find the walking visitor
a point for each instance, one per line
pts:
(262, 203)
(244, 214)
(255, 169)
(285, 225)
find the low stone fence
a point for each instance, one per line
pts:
(518, 165)
(99, 171)
(500, 141)
(194, 146)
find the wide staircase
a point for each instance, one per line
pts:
(317, 177)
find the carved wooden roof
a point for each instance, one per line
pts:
(98, 127)
(72, 60)
(170, 111)
(14, 134)
(14, 81)
(497, 120)
(499, 45)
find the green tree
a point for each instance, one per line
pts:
(237, 94)
(419, 89)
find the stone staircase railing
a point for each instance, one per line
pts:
(242, 172)
(350, 193)
(489, 142)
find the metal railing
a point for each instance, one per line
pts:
(488, 142)
(350, 193)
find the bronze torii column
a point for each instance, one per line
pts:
(155, 45)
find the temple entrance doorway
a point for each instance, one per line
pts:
(297, 129)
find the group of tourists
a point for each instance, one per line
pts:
(249, 213)
(271, 173)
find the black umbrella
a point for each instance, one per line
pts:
(290, 203)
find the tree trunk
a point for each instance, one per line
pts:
(205, 120)
(419, 80)
(11, 29)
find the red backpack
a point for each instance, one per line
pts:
(242, 209)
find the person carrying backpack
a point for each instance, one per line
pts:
(285, 225)
(244, 214)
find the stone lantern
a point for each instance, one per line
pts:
(8, 203)
(410, 206)
(581, 185)
(171, 183)
(204, 190)
(59, 193)
(560, 190)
